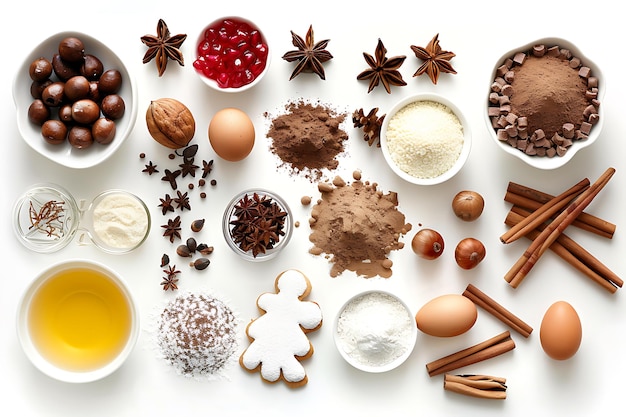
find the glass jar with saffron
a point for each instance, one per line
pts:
(46, 218)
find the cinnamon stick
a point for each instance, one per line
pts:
(488, 349)
(545, 212)
(574, 254)
(552, 231)
(531, 199)
(479, 386)
(490, 305)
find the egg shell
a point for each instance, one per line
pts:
(231, 134)
(447, 315)
(561, 331)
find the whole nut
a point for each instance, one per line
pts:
(170, 123)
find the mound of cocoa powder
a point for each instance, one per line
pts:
(308, 137)
(357, 226)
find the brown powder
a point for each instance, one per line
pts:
(357, 226)
(549, 93)
(308, 138)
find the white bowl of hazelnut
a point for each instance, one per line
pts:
(76, 101)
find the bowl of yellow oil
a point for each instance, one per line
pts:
(77, 321)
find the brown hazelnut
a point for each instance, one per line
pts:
(80, 137)
(71, 49)
(54, 131)
(65, 113)
(62, 69)
(85, 111)
(40, 69)
(53, 94)
(103, 130)
(110, 82)
(92, 68)
(76, 88)
(37, 87)
(38, 112)
(113, 106)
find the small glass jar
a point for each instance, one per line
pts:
(46, 218)
(241, 210)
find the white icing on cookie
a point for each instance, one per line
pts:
(279, 336)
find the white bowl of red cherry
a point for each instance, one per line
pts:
(232, 54)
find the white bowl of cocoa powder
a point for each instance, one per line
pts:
(544, 102)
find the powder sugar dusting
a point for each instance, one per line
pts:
(425, 139)
(357, 226)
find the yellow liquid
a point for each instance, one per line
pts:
(79, 320)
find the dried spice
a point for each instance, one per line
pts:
(170, 279)
(48, 219)
(370, 125)
(310, 55)
(163, 47)
(167, 204)
(382, 69)
(207, 167)
(182, 201)
(258, 223)
(170, 176)
(150, 168)
(172, 229)
(197, 225)
(435, 60)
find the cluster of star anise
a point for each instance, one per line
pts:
(258, 223)
(370, 124)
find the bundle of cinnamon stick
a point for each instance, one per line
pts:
(542, 218)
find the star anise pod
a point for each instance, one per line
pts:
(370, 124)
(382, 69)
(435, 60)
(150, 168)
(207, 167)
(172, 229)
(310, 55)
(182, 201)
(167, 204)
(163, 47)
(170, 279)
(188, 167)
(170, 176)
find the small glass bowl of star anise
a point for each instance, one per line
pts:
(232, 54)
(257, 224)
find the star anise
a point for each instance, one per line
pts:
(170, 176)
(435, 60)
(207, 167)
(382, 69)
(163, 47)
(172, 229)
(370, 124)
(310, 55)
(170, 279)
(188, 167)
(167, 204)
(150, 168)
(182, 201)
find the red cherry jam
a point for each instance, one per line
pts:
(232, 52)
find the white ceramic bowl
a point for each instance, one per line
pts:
(64, 154)
(210, 81)
(543, 162)
(460, 161)
(367, 348)
(69, 304)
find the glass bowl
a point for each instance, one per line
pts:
(64, 154)
(228, 27)
(240, 213)
(375, 331)
(424, 148)
(58, 335)
(545, 162)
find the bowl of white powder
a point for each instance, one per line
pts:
(425, 139)
(375, 331)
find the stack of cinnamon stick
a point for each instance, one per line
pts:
(542, 218)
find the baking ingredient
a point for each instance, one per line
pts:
(120, 220)
(163, 47)
(424, 138)
(308, 137)
(170, 122)
(561, 331)
(428, 244)
(382, 69)
(469, 252)
(358, 226)
(79, 319)
(231, 134)
(447, 315)
(370, 124)
(197, 335)
(310, 55)
(468, 205)
(375, 329)
(233, 53)
(435, 60)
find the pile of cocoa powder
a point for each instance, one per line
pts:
(308, 137)
(357, 226)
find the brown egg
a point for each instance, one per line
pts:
(231, 134)
(561, 331)
(447, 315)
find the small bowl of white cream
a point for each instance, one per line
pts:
(375, 331)
(425, 139)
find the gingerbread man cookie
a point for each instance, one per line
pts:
(278, 337)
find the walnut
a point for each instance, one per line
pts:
(170, 122)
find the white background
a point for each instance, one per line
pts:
(591, 382)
